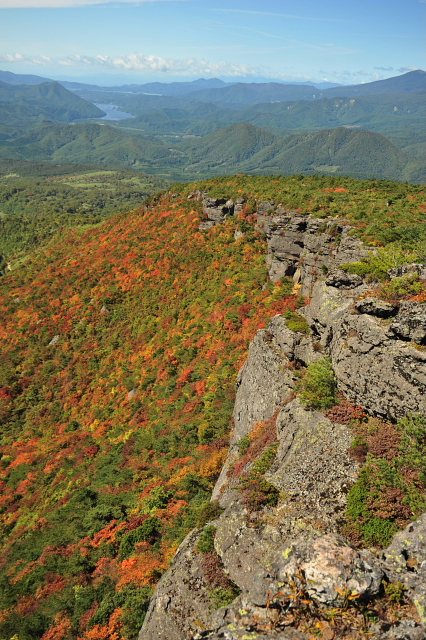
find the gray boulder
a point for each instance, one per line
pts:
(410, 323)
(376, 307)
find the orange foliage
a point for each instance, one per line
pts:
(143, 569)
(110, 631)
(60, 629)
(106, 567)
(107, 534)
(55, 583)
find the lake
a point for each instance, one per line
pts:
(112, 112)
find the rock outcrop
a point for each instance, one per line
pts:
(290, 553)
(305, 248)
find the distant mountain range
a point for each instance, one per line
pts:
(377, 130)
(163, 88)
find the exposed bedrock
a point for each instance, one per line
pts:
(304, 247)
(374, 367)
(377, 356)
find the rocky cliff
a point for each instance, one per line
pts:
(274, 563)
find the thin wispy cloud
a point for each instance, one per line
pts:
(328, 47)
(139, 62)
(262, 33)
(280, 15)
(63, 4)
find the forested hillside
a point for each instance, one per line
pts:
(39, 200)
(23, 106)
(121, 400)
(120, 353)
(240, 147)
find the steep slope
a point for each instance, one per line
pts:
(274, 564)
(120, 351)
(115, 407)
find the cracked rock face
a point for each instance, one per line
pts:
(263, 384)
(312, 470)
(410, 323)
(181, 602)
(307, 246)
(384, 375)
(405, 560)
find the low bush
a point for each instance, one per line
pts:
(318, 387)
(390, 490)
(375, 266)
(405, 287)
(206, 540)
(296, 322)
(256, 490)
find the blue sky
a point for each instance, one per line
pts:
(344, 41)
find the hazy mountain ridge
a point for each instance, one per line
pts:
(167, 119)
(407, 82)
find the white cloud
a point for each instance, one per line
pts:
(139, 62)
(405, 69)
(58, 4)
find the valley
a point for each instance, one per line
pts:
(283, 129)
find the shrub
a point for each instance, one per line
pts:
(147, 532)
(404, 287)
(390, 489)
(209, 511)
(296, 322)
(318, 387)
(256, 490)
(375, 267)
(206, 540)
(243, 445)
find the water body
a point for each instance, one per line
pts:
(112, 112)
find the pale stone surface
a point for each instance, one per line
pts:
(263, 384)
(180, 605)
(312, 469)
(329, 563)
(405, 561)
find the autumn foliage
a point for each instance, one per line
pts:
(121, 348)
